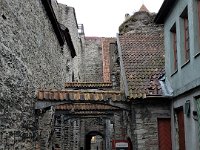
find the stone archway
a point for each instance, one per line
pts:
(88, 138)
(130, 143)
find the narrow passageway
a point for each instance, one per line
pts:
(94, 141)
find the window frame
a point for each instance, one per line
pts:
(198, 21)
(174, 55)
(186, 39)
(185, 52)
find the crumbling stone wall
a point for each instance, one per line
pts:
(30, 58)
(114, 65)
(140, 22)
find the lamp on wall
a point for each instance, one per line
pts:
(187, 108)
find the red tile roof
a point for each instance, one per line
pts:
(143, 60)
(88, 85)
(79, 95)
(85, 107)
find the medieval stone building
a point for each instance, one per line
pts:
(141, 50)
(62, 90)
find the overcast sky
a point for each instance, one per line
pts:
(103, 17)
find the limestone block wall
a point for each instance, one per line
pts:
(93, 60)
(67, 133)
(30, 58)
(45, 129)
(145, 123)
(67, 17)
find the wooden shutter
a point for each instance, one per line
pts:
(164, 134)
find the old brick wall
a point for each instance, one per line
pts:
(30, 58)
(106, 58)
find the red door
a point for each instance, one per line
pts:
(164, 134)
(181, 128)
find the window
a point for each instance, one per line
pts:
(198, 4)
(186, 48)
(187, 39)
(174, 48)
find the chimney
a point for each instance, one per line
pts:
(127, 16)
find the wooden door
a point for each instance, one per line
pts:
(164, 134)
(181, 128)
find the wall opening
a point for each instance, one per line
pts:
(94, 140)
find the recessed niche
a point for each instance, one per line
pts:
(4, 17)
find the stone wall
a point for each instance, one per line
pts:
(93, 59)
(114, 65)
(140, 22)
(30, 58)
(145, 131)
(45, 132)
(67, 133)
(68, 18)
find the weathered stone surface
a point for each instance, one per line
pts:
(92, 56)
(30, 58)
(146, 130)
(140, 22)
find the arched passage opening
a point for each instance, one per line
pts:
(94, 141)
(130, 143)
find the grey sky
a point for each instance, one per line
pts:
(103, 17)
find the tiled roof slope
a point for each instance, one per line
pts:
(83, 85)
(79, 95)
(85, 107)
(143, 61)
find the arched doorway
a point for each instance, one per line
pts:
(94, 141)
(130, 143)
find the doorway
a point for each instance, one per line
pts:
(94, 140)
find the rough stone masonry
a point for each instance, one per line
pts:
(31, 58)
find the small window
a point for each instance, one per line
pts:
(174, 48)
(186, 48)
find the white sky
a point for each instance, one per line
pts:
(103, 17)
